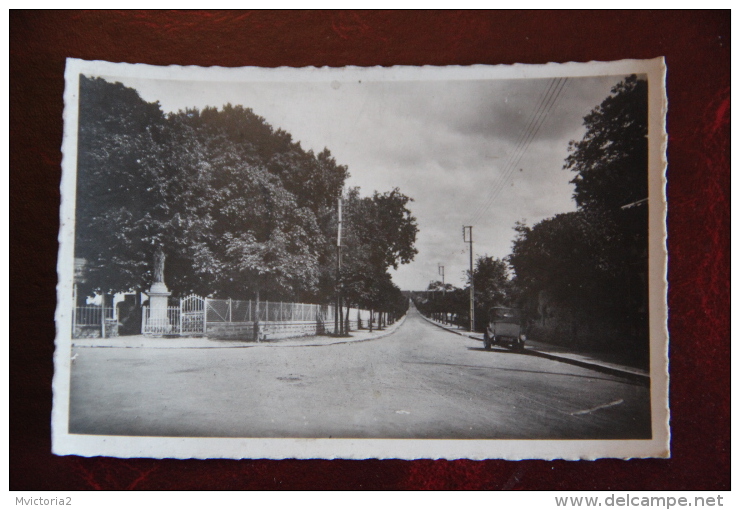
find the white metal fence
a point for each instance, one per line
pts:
(187, 318)
(93, 320)
(232, 310)
(194, 313)
(92, 315)
(165, 321)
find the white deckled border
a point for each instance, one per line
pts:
(64, 443)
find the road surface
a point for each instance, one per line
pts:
(419, 382)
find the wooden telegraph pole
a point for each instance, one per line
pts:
(468, 237)
(441, 271)
(338, 307)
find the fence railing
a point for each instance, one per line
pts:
(93, 321)
(92, 315)
(194, 313)
(233, 310)
(161, 321)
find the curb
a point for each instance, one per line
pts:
(388, 331)
(643, 379)
(626, 374)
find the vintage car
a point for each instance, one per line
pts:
(504, 326)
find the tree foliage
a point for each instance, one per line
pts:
(611, 160)
(493, 286)
(252, 234)
(121, 204)
(567, 257)
(491, 282)
(591, 264)
(444, 302)
(379, 232)
(237, 206)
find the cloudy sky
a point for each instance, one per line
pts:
(486, 153)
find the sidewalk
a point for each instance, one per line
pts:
(141, 341)
(563, 355)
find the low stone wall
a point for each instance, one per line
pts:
(268, 330)
(93, 331)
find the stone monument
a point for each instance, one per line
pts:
(158, 321)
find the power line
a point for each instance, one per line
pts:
(542, 116)
(522, 135)
(538, 124)
(517, 155)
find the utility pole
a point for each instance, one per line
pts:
(337, 308)
(441, 271)
(468, 238)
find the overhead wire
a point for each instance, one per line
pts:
(535, 113)
(522, 135)
(545, 104)
(518, 155)
(533, 134)
(551, 98)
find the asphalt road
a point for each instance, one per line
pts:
(420, 382)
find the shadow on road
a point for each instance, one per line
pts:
(495, 349)
(500, 350)
(458, 365)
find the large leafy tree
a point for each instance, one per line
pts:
(611, 166)
(251, 234)
(611, 160)
(492, 282)
(566, 257)
(591, 263)
(389, 230)
(611, 187)
(272, 203)
(379, 232)
(122, 209)
(224, 195)
(492, 286)
(239, 209)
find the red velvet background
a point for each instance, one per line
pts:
(697, 50)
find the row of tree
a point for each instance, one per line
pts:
(581, 277)
(493, 286)
(238, 208)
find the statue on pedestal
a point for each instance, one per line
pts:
(158, 285)
(159, 265)
(158, 321)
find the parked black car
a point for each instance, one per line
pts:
(504, 326)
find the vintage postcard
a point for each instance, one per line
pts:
(404, 262)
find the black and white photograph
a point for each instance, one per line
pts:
(401, 262)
